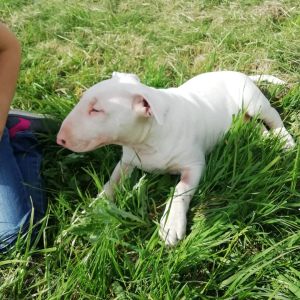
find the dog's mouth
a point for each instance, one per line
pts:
(86, 146)
(100, 145)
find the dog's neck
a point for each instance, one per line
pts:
(139, 137)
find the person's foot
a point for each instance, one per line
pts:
(19, 120)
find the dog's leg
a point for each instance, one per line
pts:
(273, 120)
(258, 104)
(173, 222)
(120, 169)
(264, 131)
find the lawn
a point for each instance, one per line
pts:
(243, 236)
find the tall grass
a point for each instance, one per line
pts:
(243, 225)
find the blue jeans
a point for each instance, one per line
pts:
(21, 186)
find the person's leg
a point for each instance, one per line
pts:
(29, 158)
(19, 155)
(23, 127)
(15, 206)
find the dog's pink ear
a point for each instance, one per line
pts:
(150, 104)
(141, 106)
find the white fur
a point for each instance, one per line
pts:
(170, 129)
(268, 78)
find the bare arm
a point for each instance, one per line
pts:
(10, 60)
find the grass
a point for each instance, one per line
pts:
(243, 226)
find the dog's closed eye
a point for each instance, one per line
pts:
(96, 111)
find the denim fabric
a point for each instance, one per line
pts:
(21, 186)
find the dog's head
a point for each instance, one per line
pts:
(113, 111)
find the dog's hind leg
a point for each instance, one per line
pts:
(261, 106)
(273, 120)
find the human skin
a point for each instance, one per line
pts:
(10, 60)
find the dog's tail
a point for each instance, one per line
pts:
(268, 78)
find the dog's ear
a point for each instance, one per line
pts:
(141, 106)
(125, 77)
(150, 104)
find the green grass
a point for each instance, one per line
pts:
(243, 226)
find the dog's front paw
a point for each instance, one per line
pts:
(173, 224)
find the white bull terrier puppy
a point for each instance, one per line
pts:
(166, 129)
